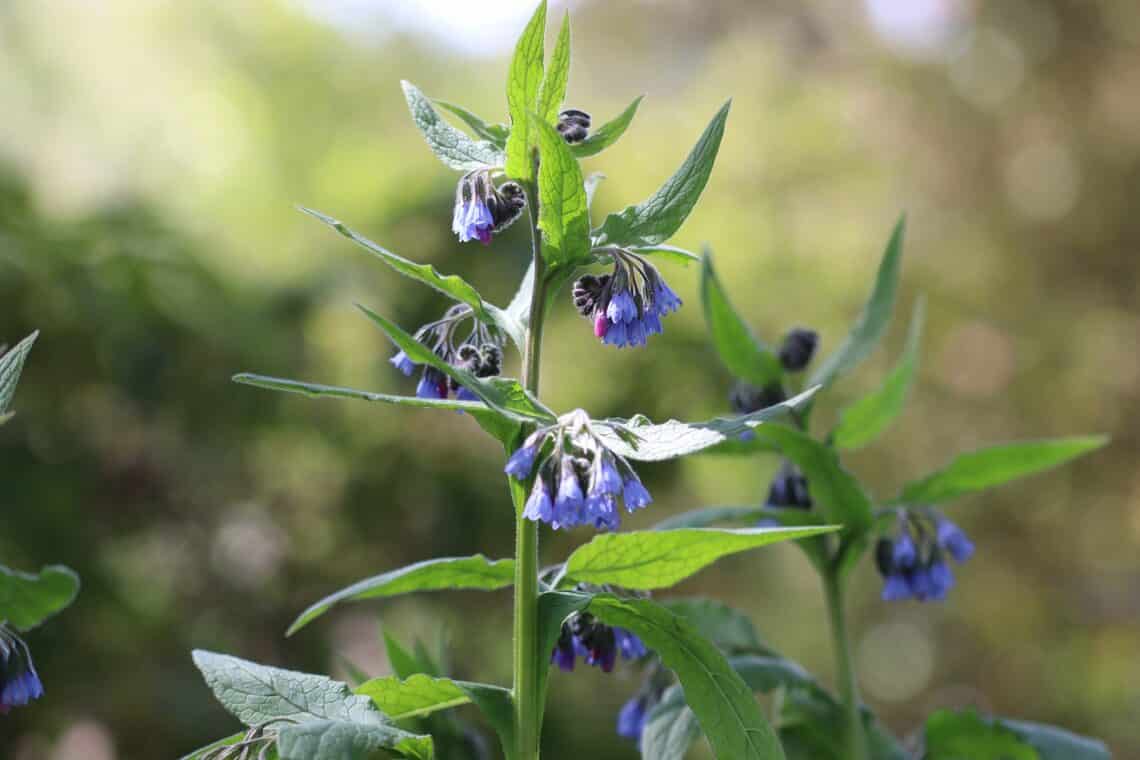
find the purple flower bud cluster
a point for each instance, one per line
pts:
(483, 210)
(627, 305)
(579, 481)
(595, 642)
(914, 564)
(798, 348)
(19, 682)
(480, 353)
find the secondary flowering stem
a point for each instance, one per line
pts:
(854, 737)
(528, 710)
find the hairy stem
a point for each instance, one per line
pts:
(528, 710)
(854, 737)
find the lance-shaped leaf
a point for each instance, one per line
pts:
(476, 572)
(729, 629)
(670, 252)
(496, 134)
(26, 600)
(563, 213)
(452, 147)
(608, 133)
(344, 740)
(501, 427)
(259, 694)
(657, 559)
(995, 466)
(744, 356)
(872, 322)
(11, 365)
(867, 418)
(839, 495)
(655, 219)
(666, 440)
(553, 90)
(706, 516)
(413, 697)
(722, 702)
(451, 285)
(523, 83)
(503, 395)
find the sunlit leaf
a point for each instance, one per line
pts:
(741, 352)
(452, 147)
(523, 83)
(607, 134)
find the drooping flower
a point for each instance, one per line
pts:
(798, 348)
(19, 682)
(573, 125)
(913, 563)
(480, 353)
(481, 209)
(632, 717)
(625, 306)
(579, 480)
(789, 488)
(596, 643)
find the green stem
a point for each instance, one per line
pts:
(854, 738)
(528, 710)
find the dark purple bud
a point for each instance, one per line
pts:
(798, 348)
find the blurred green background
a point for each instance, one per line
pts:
(151, 154)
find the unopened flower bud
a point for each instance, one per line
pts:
(798, 348)
(573, 125)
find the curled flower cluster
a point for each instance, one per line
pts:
(579, 481)
(626, 305)
(19, 682)
(573, 125)
(480, 353)
(913, 564)
(595, 642)
(483, 210)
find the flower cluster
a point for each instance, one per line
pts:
(579, 481)
(595, 642)
(19, 682)
(913, 563)
(480, 353)
(573, 125)
(626, 305)
(483, 210)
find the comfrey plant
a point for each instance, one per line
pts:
(703, 662)
(26, 600)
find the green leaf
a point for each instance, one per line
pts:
(872, 322)
(26, 600)
(706, 516)
(656, 559)
(996, 465)
(523, 84)
(496, 134)
(502, 428)
(11, 365)
(867, 418)
(723, 704)
(449, 285)
(839, 495)
(503, 395)
(966, 736)
(655, 219)
(744, 356)
(414, 696)
(1053, 743)
(404, 664)
(259, 694)
(592, 181)
(498, 708)
(553, 90)
(670, 729)
(563, 214)
(667, 440)
(455, 149)
(344, 740)
(729, 629)
(475, 572)
(608, 133)
(812, 726)
(670, 252)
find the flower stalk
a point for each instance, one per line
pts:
(528, 710)
(854, 737)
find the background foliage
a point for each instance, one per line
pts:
(149, 163)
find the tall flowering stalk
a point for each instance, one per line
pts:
(569, 471)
